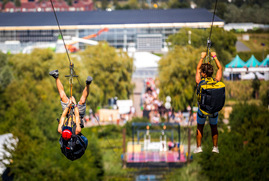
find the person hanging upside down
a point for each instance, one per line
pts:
(205, 70)
(70, 124)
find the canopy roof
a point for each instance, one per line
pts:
(237, 62)
(145, 60)
(265, 62)
(252, 62)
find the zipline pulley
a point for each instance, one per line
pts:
(208, 50)
(72, 74)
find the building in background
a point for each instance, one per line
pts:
(45, 6)
(137, 30)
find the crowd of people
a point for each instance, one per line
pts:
(154, 109)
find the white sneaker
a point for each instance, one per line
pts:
(198, 150)
(215, 149)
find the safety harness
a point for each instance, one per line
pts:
(75, 147)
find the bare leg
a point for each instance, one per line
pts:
(60, 88)
(85, 94)
(199, 134)
(214, 131)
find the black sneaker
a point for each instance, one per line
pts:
(54, 73)
(89, 80)
(81, 123)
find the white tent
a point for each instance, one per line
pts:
(124, 106)
(251, 76)
(145, 63)
(145, 59)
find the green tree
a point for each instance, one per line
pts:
(173, 4)
(222, 41)
(29, 108)
(5, 72)
(256, 83)
(116, 4)
(204, 3)
(133, 4)
(265, 98)
(221, 9)
(104, 4)
(177, 75)
(243, 151)
(69, 2)
(111, 71)
(17, 3)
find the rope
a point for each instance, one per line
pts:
(209, 38)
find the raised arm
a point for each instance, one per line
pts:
(61, 122)
(78, 128)
(198, 69)
(219, 72)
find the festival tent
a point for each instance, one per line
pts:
(251, 76)
(237, 62)
(144, 59)
(265, 62)
(252, 62)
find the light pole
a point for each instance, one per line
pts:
(167, 106)
(189, 33)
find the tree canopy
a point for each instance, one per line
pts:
(177, 75)
(243, 148)
(30, 105)
(112, 71)
(222, 42)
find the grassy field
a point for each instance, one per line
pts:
(254, 43)
(256, 40)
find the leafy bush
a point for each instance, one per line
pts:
(109, 131)
(243, 148)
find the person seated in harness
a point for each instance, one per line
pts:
(204, 73)
(73, 142)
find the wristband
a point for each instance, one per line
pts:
(214, 56)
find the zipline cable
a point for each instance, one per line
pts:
(209, 38)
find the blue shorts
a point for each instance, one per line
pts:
(201, 118)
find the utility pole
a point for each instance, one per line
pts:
(189, 40)
(189, 126)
